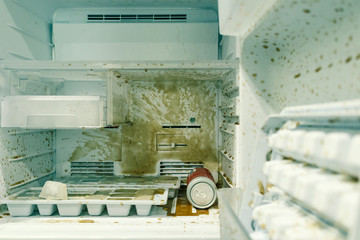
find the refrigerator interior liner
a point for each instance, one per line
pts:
(118, 101)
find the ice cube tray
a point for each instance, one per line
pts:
(169, 182)
(118, 201)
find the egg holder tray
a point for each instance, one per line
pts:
(117, 201)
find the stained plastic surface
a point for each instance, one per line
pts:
(229, 204)
(49, 112)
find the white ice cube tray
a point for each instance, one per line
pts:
(91, 181)
(117, 201)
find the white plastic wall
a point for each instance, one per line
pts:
(26, 156)
(302, 52)
(24, 35)
(136, 41)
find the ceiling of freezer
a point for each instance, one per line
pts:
(46, 9)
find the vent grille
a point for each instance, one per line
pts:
(98, 168)
(178, 169)
(116, 18)
(180, 126)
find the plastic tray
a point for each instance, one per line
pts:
(117, 201)
(154, 182)
(52, 111)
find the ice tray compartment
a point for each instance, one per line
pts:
(143, 210)
(46, 209)
(118, 202)
(118, 210)
(95, 209)
(21, 210)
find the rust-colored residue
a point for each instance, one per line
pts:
(184, 208)
(86, 221)
(17, 183)
(106, 142)
(59, 221)
(157, 102)
(6, 214)
(261, 187)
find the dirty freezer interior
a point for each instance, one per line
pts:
(146, 89)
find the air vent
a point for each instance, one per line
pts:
(98, 168)
(181, 126)
(178, 169)
(116, 18)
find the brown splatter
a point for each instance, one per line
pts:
(306, 10)
(265, 46)
(348, 59)
(184, 208)
(17, 183)
(86, 221)
(297, 75)
(318, 69)
(169, 101)
(261, 187)
(106, 141)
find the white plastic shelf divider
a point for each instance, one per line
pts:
(333, 114)
(52, 112)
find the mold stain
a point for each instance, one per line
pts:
(86, 221)
(261, 187)
(318, 69)
(106, 142)
(184, 208)
(297, 75)
(347, 60)
(169, 101)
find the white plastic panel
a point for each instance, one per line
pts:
(25, 36)
(229, 203)
(237, 17)
(52, 111)
(46, 8)
(27, 156)
(155, 227)
(136, 41)
(229, 128)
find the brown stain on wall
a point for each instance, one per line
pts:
(157, 102)
(106, 141)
